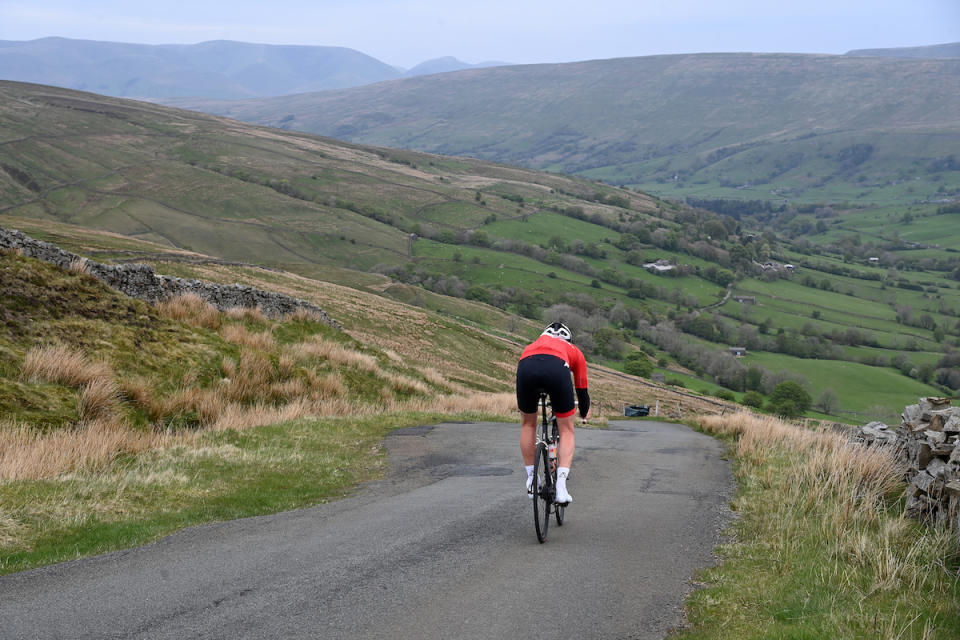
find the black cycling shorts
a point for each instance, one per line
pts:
(545, 373)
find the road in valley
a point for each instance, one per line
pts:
(444, 547)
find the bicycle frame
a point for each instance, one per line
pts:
(544, 434)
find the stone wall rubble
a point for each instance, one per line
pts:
(927, 443)
(140, 281)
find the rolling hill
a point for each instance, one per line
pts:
(496, 247)
(951, 50)
(782, 127)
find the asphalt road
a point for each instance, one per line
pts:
(443, 548)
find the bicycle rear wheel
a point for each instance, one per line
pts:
(543, 492)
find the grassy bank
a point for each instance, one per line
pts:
(821, 549)
(209, 477)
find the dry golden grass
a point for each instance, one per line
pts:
(249, 379)
(305, 315)
(335, 353)
(287, 390)
(238, 417)
(324, 387)
(207, 404)
(191, 309)
(244, 313)
(404, 384)
(25, 453)
(62, 365)
(137, 390)
(99, 399)
(437, 379)
(846, 489)
(500, 404)
(79, 266)
(239, 334)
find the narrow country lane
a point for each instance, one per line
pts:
(443, 548)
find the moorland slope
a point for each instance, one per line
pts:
(771, 126)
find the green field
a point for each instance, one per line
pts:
(870, 392)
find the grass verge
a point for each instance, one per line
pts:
(222, 475)
(821, 547)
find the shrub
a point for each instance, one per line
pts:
(752, 399)
(726, 395)
(638, 365)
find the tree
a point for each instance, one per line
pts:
(789, 400)
(754, 379)
(828, 400)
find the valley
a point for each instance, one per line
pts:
(869, 296)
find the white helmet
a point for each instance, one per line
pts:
(558, 330)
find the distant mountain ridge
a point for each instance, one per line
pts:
(218, 69)
(448, 64)
(951, 50)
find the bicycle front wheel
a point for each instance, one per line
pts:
(543, 492)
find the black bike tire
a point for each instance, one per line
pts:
(541, 493)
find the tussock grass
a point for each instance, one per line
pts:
(63, 365)
(79, 266)
(26, 453)
(256, 380)
(335, 353)
(822, 548)
(255, 314)
(191, 309)
(99, 399)
(239, 334)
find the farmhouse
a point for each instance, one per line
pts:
(745, 299)
(660, 266)
(738, 351)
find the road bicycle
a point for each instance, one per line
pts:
(544, 485)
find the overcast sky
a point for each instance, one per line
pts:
(407, 32)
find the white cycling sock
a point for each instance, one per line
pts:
(529, 469)
(562, 473)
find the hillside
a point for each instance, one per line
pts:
(951, 50)
(499, 248)
(171, 364)
(221, 69)
(798, 128)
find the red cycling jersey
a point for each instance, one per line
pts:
(548, 345)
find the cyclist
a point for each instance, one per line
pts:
(546, 364)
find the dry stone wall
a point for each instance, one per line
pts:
(927, 442)
(140, 281)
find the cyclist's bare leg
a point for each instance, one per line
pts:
(567, 443)
(528, 437)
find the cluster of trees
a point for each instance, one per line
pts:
(719, 364)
